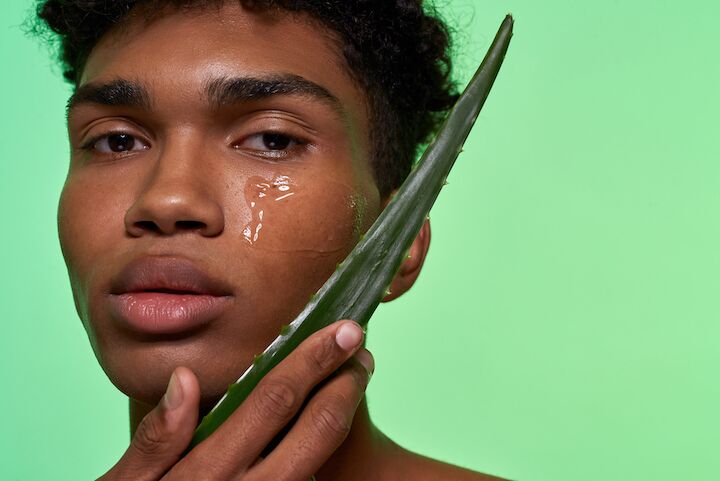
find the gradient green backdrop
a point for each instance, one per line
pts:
(565, 327)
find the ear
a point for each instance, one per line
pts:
(411, 266)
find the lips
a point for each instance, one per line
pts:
(166, 295)
(167, 274)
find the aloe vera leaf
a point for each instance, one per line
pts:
(359, 283)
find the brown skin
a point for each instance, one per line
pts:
(190, 187)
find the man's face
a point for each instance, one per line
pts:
(224, 142)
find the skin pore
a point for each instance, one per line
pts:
(238, 141)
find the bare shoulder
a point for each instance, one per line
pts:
(421, 468)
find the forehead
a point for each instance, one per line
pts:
(179, 51)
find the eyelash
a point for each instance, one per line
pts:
(295, 144)
(90, 144)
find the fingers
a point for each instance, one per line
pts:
(163, 434)
(322, 427)
(273, 403)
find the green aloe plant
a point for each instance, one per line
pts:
(360, 282)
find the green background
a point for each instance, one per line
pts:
(565, 327)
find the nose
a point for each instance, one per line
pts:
(175, 198)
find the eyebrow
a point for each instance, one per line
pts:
(119, 92)
(219, 92)
(230, 90)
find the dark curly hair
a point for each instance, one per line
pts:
(397, 51)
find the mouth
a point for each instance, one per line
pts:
(166, 295)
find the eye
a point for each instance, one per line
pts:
(269, 144)
(116, 143)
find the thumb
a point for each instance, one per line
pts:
(164, 432)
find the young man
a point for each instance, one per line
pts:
(225, 157)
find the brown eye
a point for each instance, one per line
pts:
(276, 141)
(271, 144)
(118, 143)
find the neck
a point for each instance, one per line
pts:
(365, 454)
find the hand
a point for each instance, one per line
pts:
(233, 451)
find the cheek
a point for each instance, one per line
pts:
(87, 227)
(287, 215)
(294, 232)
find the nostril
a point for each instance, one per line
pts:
(147, 225)
(189, 225)
(178, 226)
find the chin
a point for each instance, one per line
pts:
(143, 372)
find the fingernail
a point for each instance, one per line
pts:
(366, 359)
(174, 394)
(349, 336)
